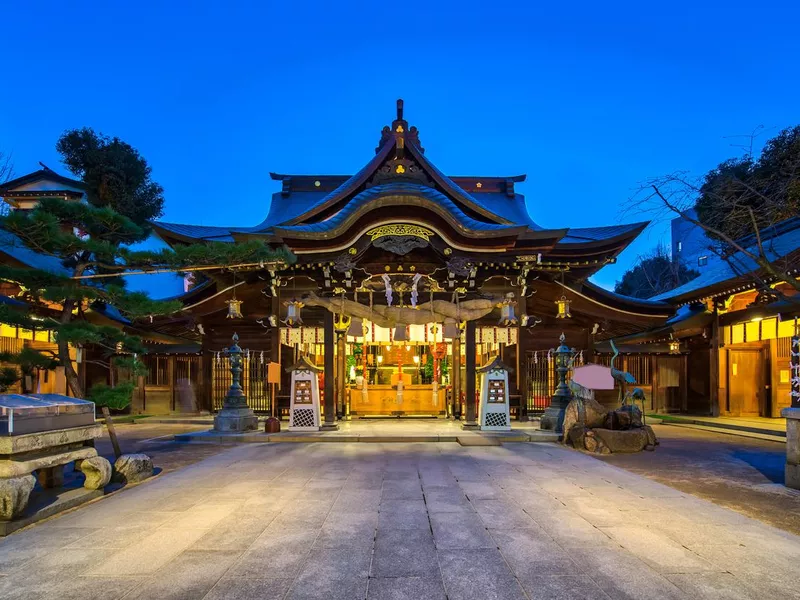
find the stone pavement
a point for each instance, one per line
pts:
(400, 521)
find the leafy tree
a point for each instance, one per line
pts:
(114, 172)
(745, 193)
(654, 273)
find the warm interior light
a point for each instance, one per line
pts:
(416, 359)
(756, 319)
(380, 358)
(408, 348)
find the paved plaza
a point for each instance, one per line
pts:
(397, 521)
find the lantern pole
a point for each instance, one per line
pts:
(553, 418)
(235, 416)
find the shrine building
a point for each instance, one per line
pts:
(401, 274)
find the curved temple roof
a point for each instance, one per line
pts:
(400, 174)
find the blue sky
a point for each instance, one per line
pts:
(588, 99)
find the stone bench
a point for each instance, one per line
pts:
(46, 453)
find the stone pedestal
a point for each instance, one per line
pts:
(235, 420)
(553, 417)
(792, 416)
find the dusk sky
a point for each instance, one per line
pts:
(587, 99)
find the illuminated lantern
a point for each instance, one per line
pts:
(293, 310)
(507, 316)
(400, 334)
(563, 308)
(234, 309)
(674, 347)
(356, 327)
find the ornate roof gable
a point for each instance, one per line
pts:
(399, 158)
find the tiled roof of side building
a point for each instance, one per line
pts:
(785, 241)
(578, 235)
(38, 176)
(13, 247)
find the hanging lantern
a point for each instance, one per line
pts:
(507, 316)
(674, 347)
(401, 334)
(341, 323)
(293, 309)
(234, 309)
(356, 327)
(451, 331)
(563, 308)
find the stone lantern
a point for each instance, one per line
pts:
(553, 417)
(235, 416)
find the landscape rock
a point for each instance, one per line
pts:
(97, 471)
(132, 468)
(14, 494)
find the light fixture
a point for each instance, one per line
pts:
(356, 327)
(380, 358)
(400, 334)
(234, 309)
(293, 309)
(234, 305)
(408, 348)
(563, 303)
(451, 331)
(416, 359)
(563, 308)
(674, 347)
(507, 316)
(341, 323)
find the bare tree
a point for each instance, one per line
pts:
(655, 272)
(743, 206)
(6, 167)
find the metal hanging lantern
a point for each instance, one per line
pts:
(563, 308)
(356, 328)
(451, 331)
(507, 316)
(294, 308)
(401, 333)
(341, 323)
(674, 347)
(234, 309)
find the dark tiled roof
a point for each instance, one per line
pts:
(595, 234)
(39, 176)
(397, 189)
(13, 247)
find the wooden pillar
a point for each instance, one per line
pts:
(713, 365)
(455, 377)
(521, 366)
(471, 419)
(341, 373)
(329, 340)
(206, 376)
(275, 356)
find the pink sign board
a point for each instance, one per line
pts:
(593, 377)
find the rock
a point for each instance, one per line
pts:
(631, 440)
(131, 468)
(594, 443)
(594, 414)
(14, 494)
(97, 471)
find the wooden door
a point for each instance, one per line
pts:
(746, 382)
(667, 386)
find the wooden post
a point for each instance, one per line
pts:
(330, 343)
(713, 365)
(469, 386)
(341, 373)
(455, 377)
(522, 371)
(275, 355)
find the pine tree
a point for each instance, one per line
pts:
(91, 242)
